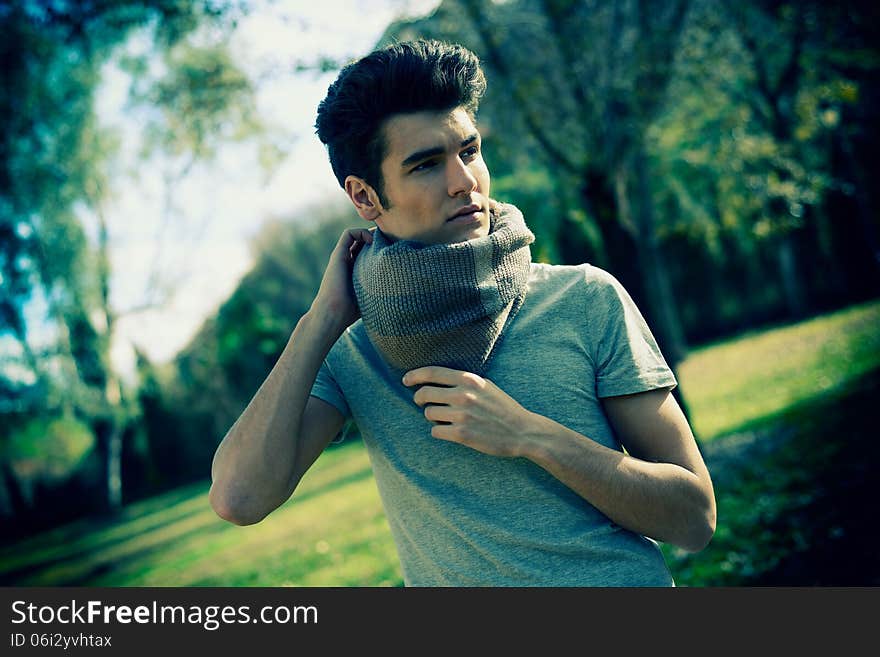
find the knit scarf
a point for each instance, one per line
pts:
(444, 304)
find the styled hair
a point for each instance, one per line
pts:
(411, 76)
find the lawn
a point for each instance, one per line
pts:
(796, 496)
(331, 532)
(773, 409)
(752, 378)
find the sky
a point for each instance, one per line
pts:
(204, 250)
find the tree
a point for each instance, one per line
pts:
(798, 54)
(55, 166)
(766, 97)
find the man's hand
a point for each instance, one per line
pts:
(336, 294)
(470, 410)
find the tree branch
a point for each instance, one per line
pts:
(498, 62)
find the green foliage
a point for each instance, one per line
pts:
(732, 160)
(203, 99)
(53, 155)
(56, 166)
(47, 448)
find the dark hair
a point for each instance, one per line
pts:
(412, 76)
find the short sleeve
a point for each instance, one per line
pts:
(627, 357)
(326, 389)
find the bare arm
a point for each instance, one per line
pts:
(661, 488)
(282, 431)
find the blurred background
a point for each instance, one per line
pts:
(166, 213)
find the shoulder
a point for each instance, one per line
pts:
(542, 271)
(354, 338)
(593, 282)
(353, 353)
(578, 292)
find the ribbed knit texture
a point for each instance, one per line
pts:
(444, 304)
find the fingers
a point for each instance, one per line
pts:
(435, 395)
(439, 375)
(354, 248)
(452, 433)
(362, 234)
(352, 241)
(443, 414)
(353, 235)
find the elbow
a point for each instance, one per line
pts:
(231, 509)
(699, 539)
(700, 531)
(702, 517)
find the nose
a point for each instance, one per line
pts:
(459, 177)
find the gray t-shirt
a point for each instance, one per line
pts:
(463, 518)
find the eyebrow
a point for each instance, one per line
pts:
(418, 156)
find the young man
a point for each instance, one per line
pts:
(495, 395)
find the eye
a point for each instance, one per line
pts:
(470, 153)
(424, 165)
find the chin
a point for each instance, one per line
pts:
(473, 234)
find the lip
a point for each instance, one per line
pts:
(467, 214)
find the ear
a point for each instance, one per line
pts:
(363, 197)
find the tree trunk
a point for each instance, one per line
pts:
(661, 306)
(111, 426)
(108, 437)
(825, 243)
(865, 218)
(792, 285)
(10, 493)
(744, 276)
(600, 202)
(659, 296)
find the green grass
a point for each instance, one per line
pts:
(333, 531)
(751, 379)
(794, 498)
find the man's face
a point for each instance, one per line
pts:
(436, 182)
